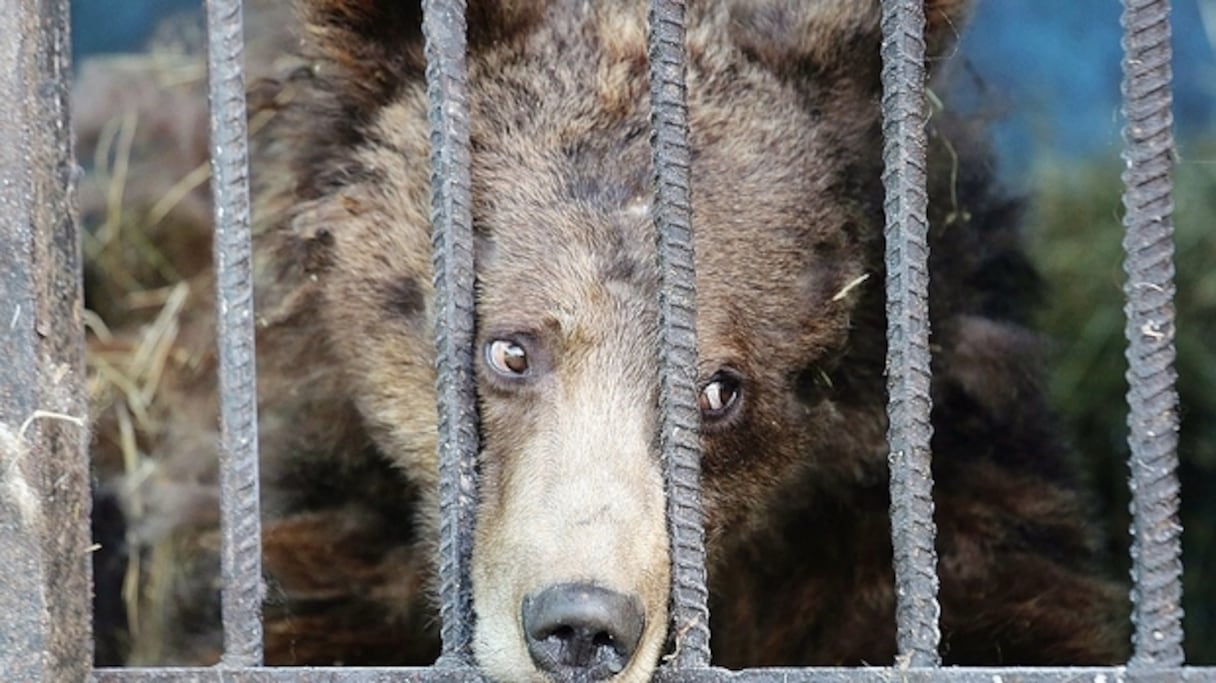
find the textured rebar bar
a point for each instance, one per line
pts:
(1151, 397)
(240, 515)
(904, 111)
(679, 415)
(452, 241)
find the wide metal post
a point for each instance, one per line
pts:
(45, 590)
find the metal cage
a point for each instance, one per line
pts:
(44, 582)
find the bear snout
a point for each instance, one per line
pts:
(581, 632)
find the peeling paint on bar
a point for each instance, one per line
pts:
(44, 471)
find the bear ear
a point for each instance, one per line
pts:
(375, 45)
(832, 36)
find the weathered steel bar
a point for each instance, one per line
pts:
(679, 415)
(452, 241)
(706, 675)
(240, 515)
(905, 114)
(435, 674)
(45, 632)
(1152, 397)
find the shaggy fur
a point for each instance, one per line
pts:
(783, 99)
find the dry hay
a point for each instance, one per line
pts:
(141, 128)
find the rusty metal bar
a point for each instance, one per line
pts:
(1151, 397)
(706, 675)
(905, 114)
(679, 415)
(45, 632)
(452, 241)
(240, 519)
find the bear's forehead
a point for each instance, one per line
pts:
(562, 181)
(563, 118)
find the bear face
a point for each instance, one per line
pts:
(787, 222)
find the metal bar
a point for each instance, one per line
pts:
(45, 582)
(1151, 397)
(948, 675)
(240, 520)
(452, 241)
(1132, 674)
(905, 114)
(679, 416)
(435, 674)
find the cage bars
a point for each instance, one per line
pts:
(452, 259)
(39, 238)
(679, 415)
(905, 115)
(240, 514)
(1152, 398)
(1114, 674)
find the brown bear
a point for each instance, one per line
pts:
(783, 99)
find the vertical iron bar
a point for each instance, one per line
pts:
(904, 110)
(240, 519)
(1152, 398)
(45, 589)
(679, 416)
(452, 241)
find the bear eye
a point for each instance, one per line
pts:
(507, 357)
(720, 396)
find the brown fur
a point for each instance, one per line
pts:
(787, 209)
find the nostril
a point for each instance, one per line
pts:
(582, 631)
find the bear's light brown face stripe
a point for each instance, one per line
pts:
(578, 501)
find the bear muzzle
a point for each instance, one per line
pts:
(581, 632)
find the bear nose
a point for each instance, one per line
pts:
(578, 631)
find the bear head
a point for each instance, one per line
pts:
(570, 565)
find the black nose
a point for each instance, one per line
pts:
(582, 632)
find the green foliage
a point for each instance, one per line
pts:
(1076, 237)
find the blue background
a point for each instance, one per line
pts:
(1051, 69)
